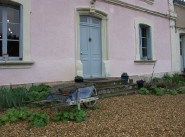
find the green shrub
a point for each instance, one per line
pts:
(39, 119)
(73, 115)
(13, 115)
(172, 91)
(143, 91)
(12, 97)
(38, 91)
(158, 91)
(156, 80)
(181, 90)
(166, 77)
(176, 78)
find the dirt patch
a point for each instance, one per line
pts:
(134, 115)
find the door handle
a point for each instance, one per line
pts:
(90, 39)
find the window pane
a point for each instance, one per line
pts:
(13, 15)
(1, 13)
(13, 31)
(95, 21)
(144, 42)
(13, 48)
(144, 50)
(180, 45)
(144, 31)
(1, 32)
(83, 18)
(0, 47)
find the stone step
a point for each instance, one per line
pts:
(112, 86)
(104, 86)
(106, 81)
(114, 90)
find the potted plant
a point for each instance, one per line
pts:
(78, 79)
(124, 76)
(140, 83)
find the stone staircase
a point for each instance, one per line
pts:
(107, 87)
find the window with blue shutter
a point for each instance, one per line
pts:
(145, 42)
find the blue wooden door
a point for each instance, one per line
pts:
(90, 46)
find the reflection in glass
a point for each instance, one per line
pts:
(83, 18)
(144, 52)
(144, 31)
(1, 13)
(1, 32)
(13, 48)
(13, 31)
(144, 42)
(0, 47)
(13, 15)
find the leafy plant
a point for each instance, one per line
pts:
(73, 115)
(12, 97)
(176, 78)
(38, 91)
(158, 91)
(181, 91)
(148, 85)
(156, 80)
(124, 74)
(39, 119)
(13, 115)
(172, 91)
(143, 91)
(79, 79)
(166, 77)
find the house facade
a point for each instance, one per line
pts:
(179, 6)
(55, 40)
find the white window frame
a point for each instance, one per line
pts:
(4, 32)
(25, 7)
(138, 56)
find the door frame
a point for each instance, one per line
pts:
(183, 50)
(104, 39)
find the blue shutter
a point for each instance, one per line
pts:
(149, 48)
(140, 42)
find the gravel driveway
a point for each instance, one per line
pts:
(133, 115)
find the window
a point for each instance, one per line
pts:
(145, 42)
(10, 29)
(144, 32)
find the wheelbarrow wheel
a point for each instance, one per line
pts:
(91, 103)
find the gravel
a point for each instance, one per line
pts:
(123, 116)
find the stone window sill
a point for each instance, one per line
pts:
(15, 64)
(145, 61)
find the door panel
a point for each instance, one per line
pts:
(84, 50)
(90, 46)
(96, 51)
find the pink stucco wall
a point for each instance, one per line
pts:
(53, 41)
(158, 5)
